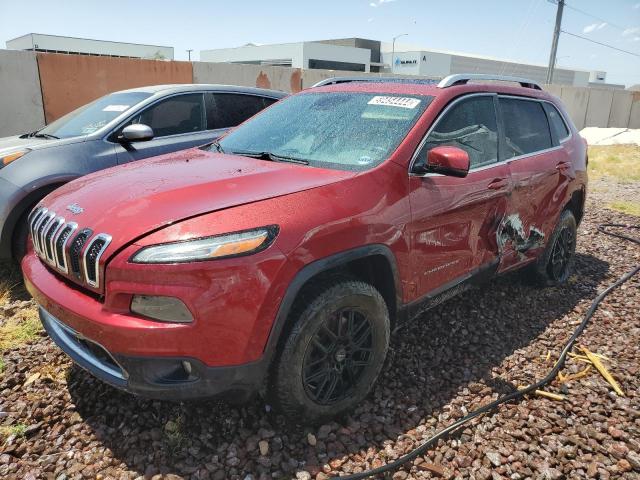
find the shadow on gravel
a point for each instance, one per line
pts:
(458, 349)
(11, 286)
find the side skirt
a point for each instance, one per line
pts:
(409, 312)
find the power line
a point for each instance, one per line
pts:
(593, 16)
(600, 43)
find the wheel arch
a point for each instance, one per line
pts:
(20, 209)
(374, 264)
(576, 204)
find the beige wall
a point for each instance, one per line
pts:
(35, 87)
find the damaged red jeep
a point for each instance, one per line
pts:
(279, 259)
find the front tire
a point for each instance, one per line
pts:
(554, 266)
(333, 352)
(20, 245)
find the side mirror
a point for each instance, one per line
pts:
(137, 132)
(452, 161)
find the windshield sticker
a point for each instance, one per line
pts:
(402, 102)
(115, 108)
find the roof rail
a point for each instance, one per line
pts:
(463, 78)
(337, 80)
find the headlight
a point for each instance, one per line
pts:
(6, 159)
(221, 246)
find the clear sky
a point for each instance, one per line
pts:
(512, 29)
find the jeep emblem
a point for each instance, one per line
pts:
(75, 208)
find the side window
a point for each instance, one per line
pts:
(526, 128)
(470, 125)
(226, 110)
(179, 114)
(558, 127)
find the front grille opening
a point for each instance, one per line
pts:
(76, 249)
(60, 245)
(92, 256)
(49, 236)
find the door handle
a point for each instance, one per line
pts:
(563, 165)
(498, 183)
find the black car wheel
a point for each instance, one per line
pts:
(555, 264)
(333, 353)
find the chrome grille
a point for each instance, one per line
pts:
(91, 256)
(56, 242)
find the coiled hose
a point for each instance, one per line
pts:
(518, 393)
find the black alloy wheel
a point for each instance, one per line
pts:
(332, 352)
(561, 254)
(337, 356)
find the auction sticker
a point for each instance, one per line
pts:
(402, 102)
(115, 108)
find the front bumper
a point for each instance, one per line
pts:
(163, 378)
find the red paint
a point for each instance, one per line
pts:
(437, 227)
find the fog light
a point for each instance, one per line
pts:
(165, 309)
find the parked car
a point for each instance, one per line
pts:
(281, 258)
(115, 129)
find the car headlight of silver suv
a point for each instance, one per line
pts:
(208, 248)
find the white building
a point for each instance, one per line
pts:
(307, 55)
(438, 63)
(83, 46)
(363, 55)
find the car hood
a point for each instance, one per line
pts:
(11, 144)
(132, 200)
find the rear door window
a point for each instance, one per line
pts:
(226, 110)
(526, 128)
(175, 115)
(558, 127)
(470, 125)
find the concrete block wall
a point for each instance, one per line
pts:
(21, 107)
(43, 86)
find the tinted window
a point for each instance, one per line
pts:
(95, 115)
(347, 131)
(226, 110)
(526, 129)
(556, 121)
(470, 125)
(179, 114)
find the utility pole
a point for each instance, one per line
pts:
(189, 52)
(554, 43)
(393, 48)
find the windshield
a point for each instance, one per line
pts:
(347, 131)
(93, 116)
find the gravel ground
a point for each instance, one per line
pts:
(64, 424)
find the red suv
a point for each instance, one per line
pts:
(279, 259)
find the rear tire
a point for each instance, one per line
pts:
(555, 265)
(333, 352)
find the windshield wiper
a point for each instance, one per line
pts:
(45, 135)
(271, 156)
(217, 146)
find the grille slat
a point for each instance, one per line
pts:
(49, 236)
(92, 258)
(56, 242)
(61, 243)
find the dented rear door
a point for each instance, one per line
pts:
(540, 171)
